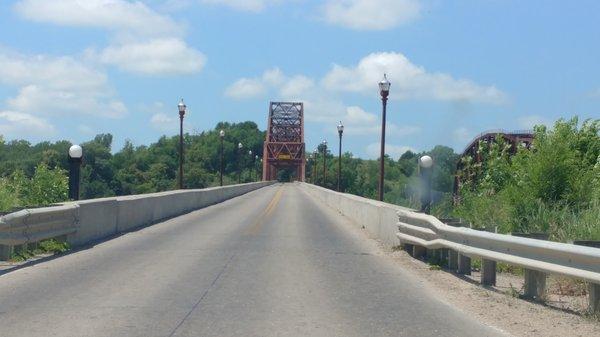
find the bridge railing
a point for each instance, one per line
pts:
(421, 234)
(538, 258)
(85, 221)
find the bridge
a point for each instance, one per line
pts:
(272, 262)
(256, 259)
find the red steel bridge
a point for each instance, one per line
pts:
(515, 139)
(284, 145)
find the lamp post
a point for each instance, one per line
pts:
(260, 169)
(255, 167)
(340, 129)
(75, 159)
(426, 169)
(324, 143)
(222, 136)
(315, 154)
(181, 107)
(384, 91)
(309, 161)
(251, 158)
(240, 146)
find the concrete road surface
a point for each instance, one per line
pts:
(273, 262)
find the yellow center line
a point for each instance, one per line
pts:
(253, 230)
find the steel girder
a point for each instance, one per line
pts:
(284, 145)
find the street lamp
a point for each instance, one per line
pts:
(255, 167)
(75, 159)
(315, 154)
(324, 143)
(340, 129)
(222, 136)
(181, 107)
(426, 169)
(250, 155)
(384, 91)
(240, 146)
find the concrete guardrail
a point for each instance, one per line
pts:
(420, 233)
(85, 221)
(378, 218)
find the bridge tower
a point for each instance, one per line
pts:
(284, 146)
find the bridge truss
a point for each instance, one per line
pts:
(284, 145)
(472, 153)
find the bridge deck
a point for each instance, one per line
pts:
(270, 263)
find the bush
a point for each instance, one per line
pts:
(552, 188)
(44, 188)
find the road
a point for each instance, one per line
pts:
(273, 262)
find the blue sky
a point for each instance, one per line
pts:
(70, 69)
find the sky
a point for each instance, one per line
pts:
(70, 69)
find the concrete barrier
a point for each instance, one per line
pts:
(90, 220)
(378, 218)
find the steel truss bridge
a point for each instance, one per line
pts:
(284, 145)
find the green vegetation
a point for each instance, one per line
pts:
(553, 188)
(360, 176)
(50, 246)
(45, 187)
(36, 175)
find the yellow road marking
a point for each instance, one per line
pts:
(253, 230)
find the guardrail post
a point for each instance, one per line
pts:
(419, 251)
(464, 265)
(408, 248)
(488, 272)
(594, 298)
(535, 284)
(5, 252)
(452, 260)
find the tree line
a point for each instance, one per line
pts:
(554, 187)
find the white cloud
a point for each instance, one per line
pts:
(246, 88)
(86, 130)
(242, 5)
(116, 15)
(371, 14)
(296, 86)
(143, 42)
(356, 115)
(58, 85)
(165, 56)
(163, 122)
(528, 122)
(394, 151)
(271, 79)
(408, 81)
(22, 125)
(361, 123)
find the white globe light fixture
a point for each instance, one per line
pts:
(76, 152)
(426, 161)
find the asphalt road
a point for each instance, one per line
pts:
(273, 262)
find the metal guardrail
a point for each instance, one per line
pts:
(537, 257)
(32, 225)
(545, 256)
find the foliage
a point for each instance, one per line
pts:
(45, 187)
(35, 175)
(552, 188)
(50, 246)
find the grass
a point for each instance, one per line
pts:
(51, 246)
(509, 269)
